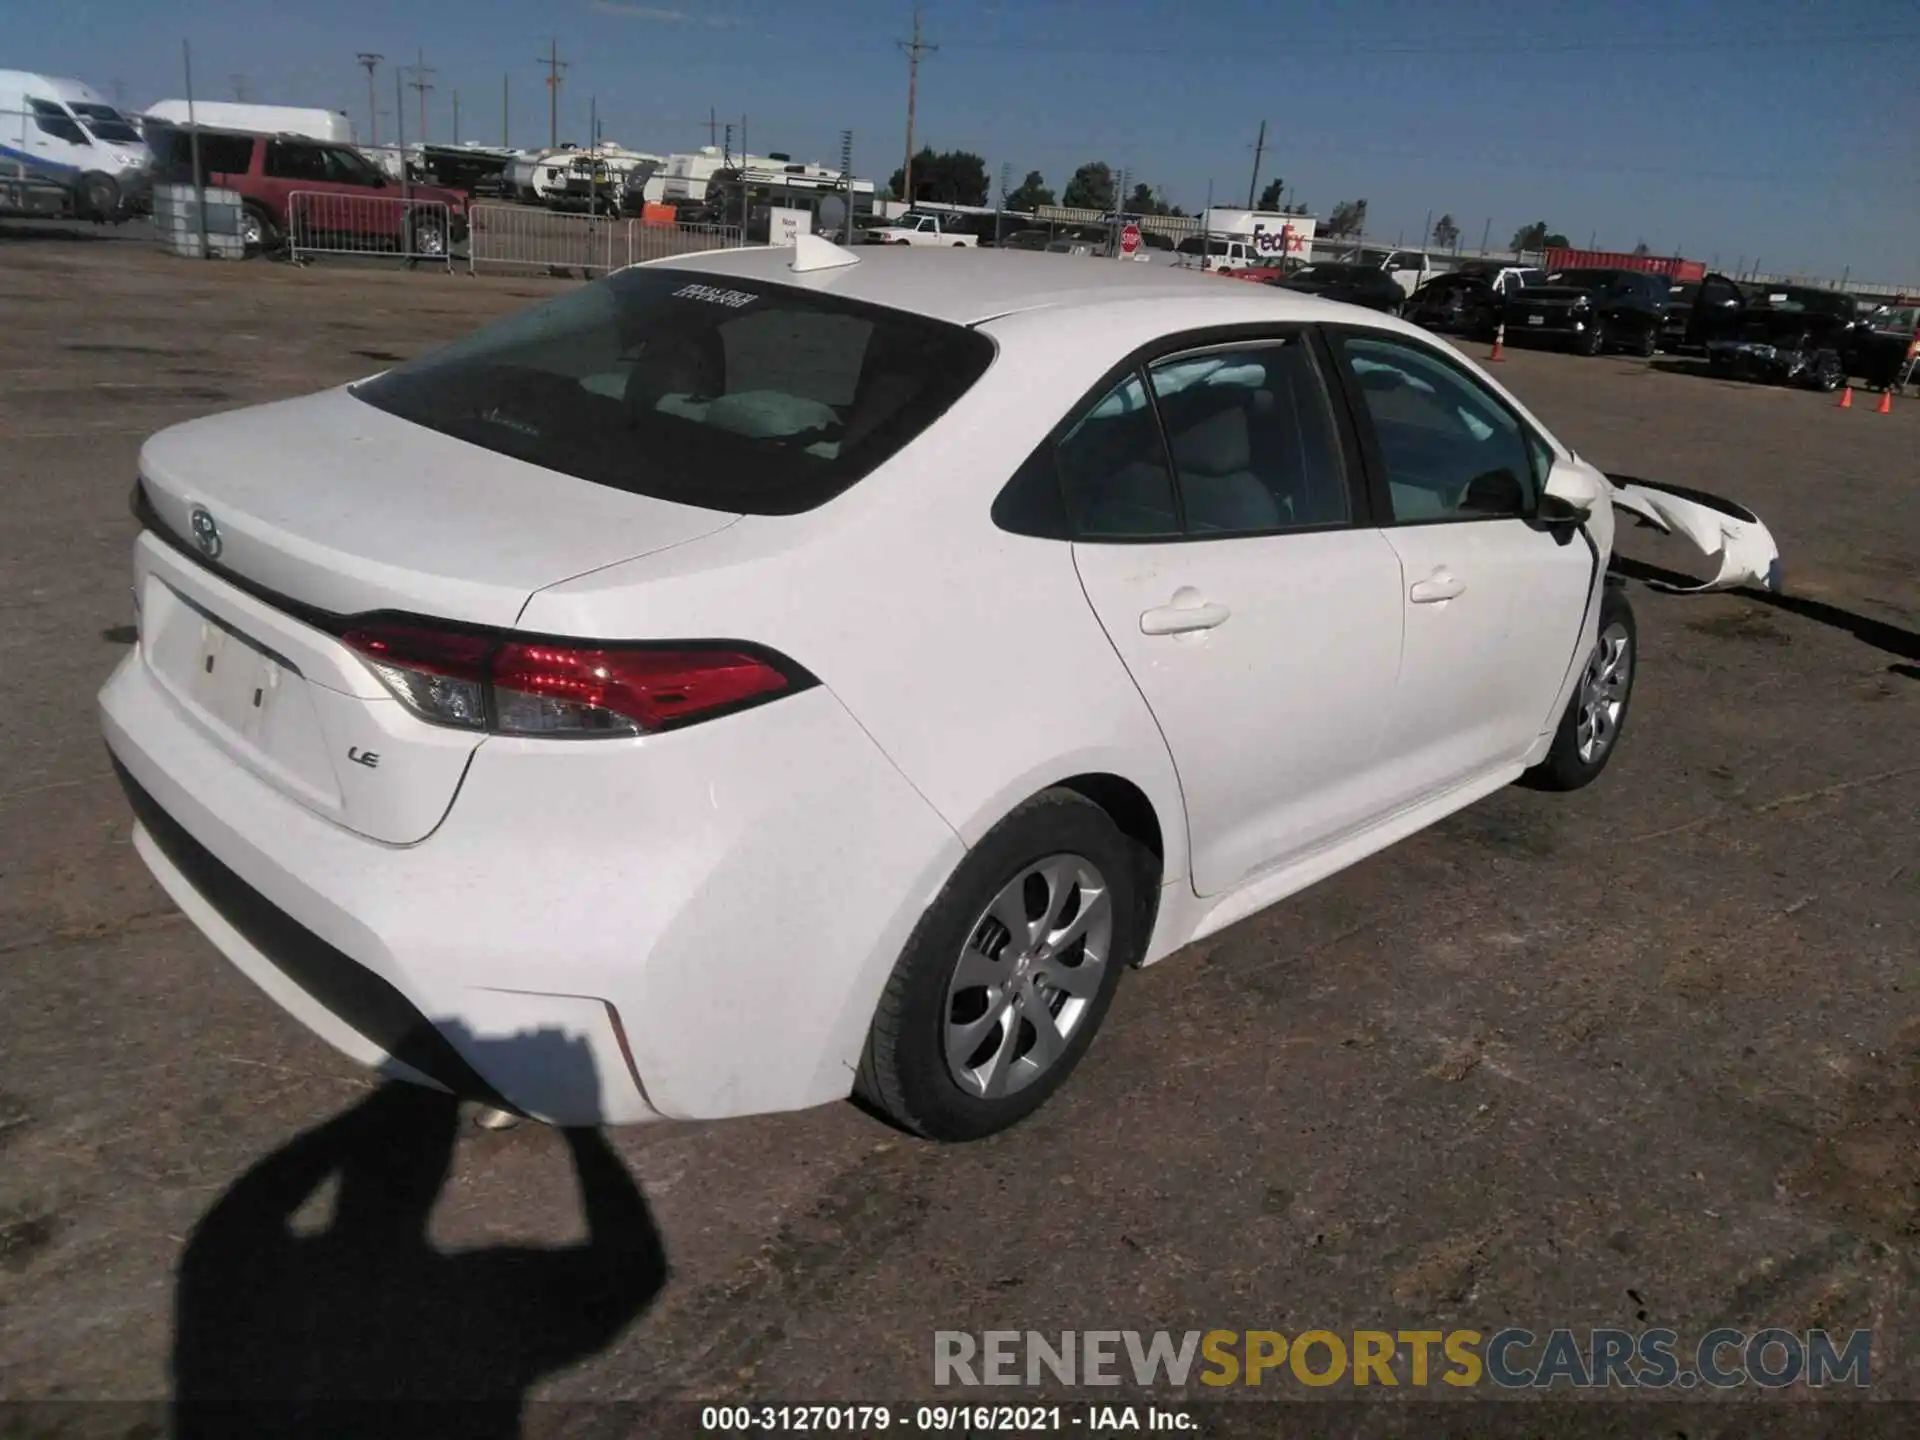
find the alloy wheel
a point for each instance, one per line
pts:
(1031, 968)
(1603, 693)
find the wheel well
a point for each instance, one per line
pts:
(1130, 809)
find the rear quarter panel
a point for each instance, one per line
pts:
(969, 654)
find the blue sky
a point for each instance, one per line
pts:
(1778, 129)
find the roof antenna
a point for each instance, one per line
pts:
(816, 252)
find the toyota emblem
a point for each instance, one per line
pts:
(206, 534)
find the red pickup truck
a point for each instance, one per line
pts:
(357, 203)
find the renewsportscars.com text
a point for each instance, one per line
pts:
(1512, 1358)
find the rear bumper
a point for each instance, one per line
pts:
(599, 933)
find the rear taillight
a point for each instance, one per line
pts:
(519, 685)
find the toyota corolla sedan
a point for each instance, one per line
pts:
(760, 677)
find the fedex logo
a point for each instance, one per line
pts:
(1283, 241)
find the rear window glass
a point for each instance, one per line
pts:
(699, 389)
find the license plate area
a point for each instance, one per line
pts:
(252, 699)
(1536, 319)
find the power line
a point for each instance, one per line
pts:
(913, 49)
(1488, 45)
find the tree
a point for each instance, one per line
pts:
(1642, 248)
(1446, 234)
(1032, 194)
(1349, 217)
(954, 177)
(1091, 187)
(1270, 197)
(1537, 237)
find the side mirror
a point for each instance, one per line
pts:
(1570, 490)
(1555, 512)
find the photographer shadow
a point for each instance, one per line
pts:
(358, 1325)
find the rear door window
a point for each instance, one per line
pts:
(699, 389)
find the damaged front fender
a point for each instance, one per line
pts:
(1745, 547)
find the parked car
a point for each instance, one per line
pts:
(923, 228)
(1027, 239)
(1793, 335)
(1362, 285)
(266, 171)
(1702, 311)
(587, 716)
(1592, 310)
(1458, 303)
(1890, 341)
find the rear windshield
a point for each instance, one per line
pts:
(705, 390)
(1589, 279)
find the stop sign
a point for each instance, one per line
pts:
(1129, 239)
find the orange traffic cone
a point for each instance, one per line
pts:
(1499, 342)
(1846, 398)
(1885, 407)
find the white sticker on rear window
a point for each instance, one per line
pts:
(714, 295)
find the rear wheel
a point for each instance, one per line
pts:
(1009, 973)
(1593, 339)
(1590, 730)
(1649, 344)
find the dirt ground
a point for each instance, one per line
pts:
(1646, 1054)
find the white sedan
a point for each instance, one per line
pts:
(763, 676)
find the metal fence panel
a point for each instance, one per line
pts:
(329, 223)
(520, 237)
(660, 242)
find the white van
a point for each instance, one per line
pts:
(330, 126)
(66, 132)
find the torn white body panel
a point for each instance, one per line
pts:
(1745, 547)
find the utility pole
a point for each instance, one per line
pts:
(456, 117)
(239, 87)
(1006, 189)
(913, 49)
(846, 174)
(554, 65)
(370, 62)
(1259, 150)
(505, 142)
(713, 127)
(421, 86)
(1486, 234)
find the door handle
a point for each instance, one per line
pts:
(1179, 619)
(1443, 586)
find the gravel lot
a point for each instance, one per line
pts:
(1647, 1054)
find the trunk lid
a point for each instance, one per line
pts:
(341, 506)
(328, 505)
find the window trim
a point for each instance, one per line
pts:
(1360, 503)
(1375, 461)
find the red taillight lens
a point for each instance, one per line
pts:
(542, 689)
(518, 686)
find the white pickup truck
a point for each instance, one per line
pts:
(915, 228)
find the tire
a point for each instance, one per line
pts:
(1826, 373)
(99, 196)
(426, 239)
(1605, 689)
(1594, 340)
(1649, 345)
(1045, 859)
(257, 229)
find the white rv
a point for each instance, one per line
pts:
(65, 132)
(329, 126)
